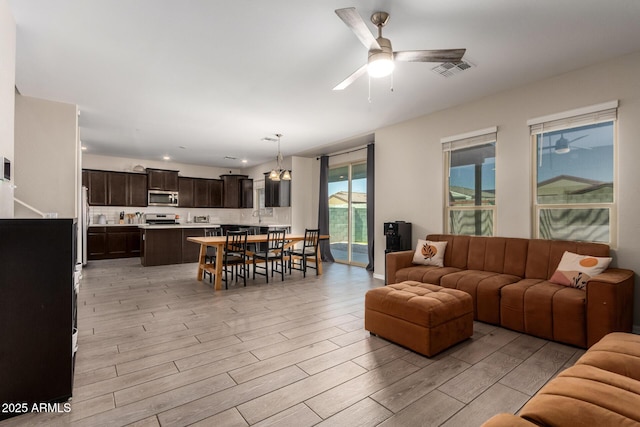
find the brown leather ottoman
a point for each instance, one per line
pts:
(423, 317)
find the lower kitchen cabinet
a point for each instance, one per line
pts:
(113, 242)
(162, 246)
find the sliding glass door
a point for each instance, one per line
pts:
(348, 213)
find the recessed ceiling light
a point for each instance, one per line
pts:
(83, 148)
(166, 158)
(244, 160)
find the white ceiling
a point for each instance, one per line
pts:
(199, 80)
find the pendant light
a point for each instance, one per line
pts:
(278, 173)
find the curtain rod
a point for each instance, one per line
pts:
(346, 152)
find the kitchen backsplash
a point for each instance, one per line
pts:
(216, 216)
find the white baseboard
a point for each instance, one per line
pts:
(378, 276)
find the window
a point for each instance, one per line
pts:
(574, 179)
(470, 184)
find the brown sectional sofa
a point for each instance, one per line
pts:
(507, 279)
(601, 389)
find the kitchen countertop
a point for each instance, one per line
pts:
(187, 225)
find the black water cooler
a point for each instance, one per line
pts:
(398, 238)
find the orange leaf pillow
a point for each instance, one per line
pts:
(429, 253)
(575, 270)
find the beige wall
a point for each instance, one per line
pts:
(46, 155)
(409, 169)
(7, 103)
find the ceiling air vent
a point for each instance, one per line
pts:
(449, 69)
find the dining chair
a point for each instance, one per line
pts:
(210, 256)
(235, 256)
(309, 250)
(274, 252)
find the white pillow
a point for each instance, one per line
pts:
(575, 270)
(429, 253)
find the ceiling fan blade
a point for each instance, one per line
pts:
(354, 21)
(575, 139)
(441, 55)
(352, 78)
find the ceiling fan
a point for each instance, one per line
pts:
(562, 144)
(381, 55)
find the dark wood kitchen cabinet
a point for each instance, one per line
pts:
(160, 179)
(238, 191)
(96, 182)
(117, 190)
(38, 312)
(216, 192)
(277, 194)
(107, 188)
(137, 188)
(207, 193)
(113, 242)
(186, 192)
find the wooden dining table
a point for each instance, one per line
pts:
(218, 242)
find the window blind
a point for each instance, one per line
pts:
(574, 118)
(469, 139)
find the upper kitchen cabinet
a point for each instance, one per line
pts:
(186, 191)
(117, 189)
(160, 179)
(238, 191)
(96, 182)
(277, 194)
(107, 188)
(216, 190)
(137, 189)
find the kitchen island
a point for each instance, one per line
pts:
(167, 243)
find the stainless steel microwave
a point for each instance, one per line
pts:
(162, 198)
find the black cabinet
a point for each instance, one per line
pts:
(277, 194)
(186, 192)
(117, 189)
(207, 193)
(107, 188)
(216, 191)
(137, 189)
(37, 310)
(113, 242)
(238, 191)
(160, 179)
(96, 182)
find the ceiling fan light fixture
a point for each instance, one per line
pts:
(562, 146)
(286, 176)
(274, 175)
(380, 65)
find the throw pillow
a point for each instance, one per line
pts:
(429, 253)
(575, 270)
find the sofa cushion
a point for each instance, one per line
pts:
(575, 270)
(430, 253)
(512, 304)
(424, 273)
(544, 256)
(617, 353)
(484, 288)
(573, 400)
(543, 300)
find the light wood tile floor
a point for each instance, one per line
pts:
(157, 347)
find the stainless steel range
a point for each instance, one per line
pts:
(160, 219)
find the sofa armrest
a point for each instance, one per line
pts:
(507, 420)
(609, 303)
(395, 261)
